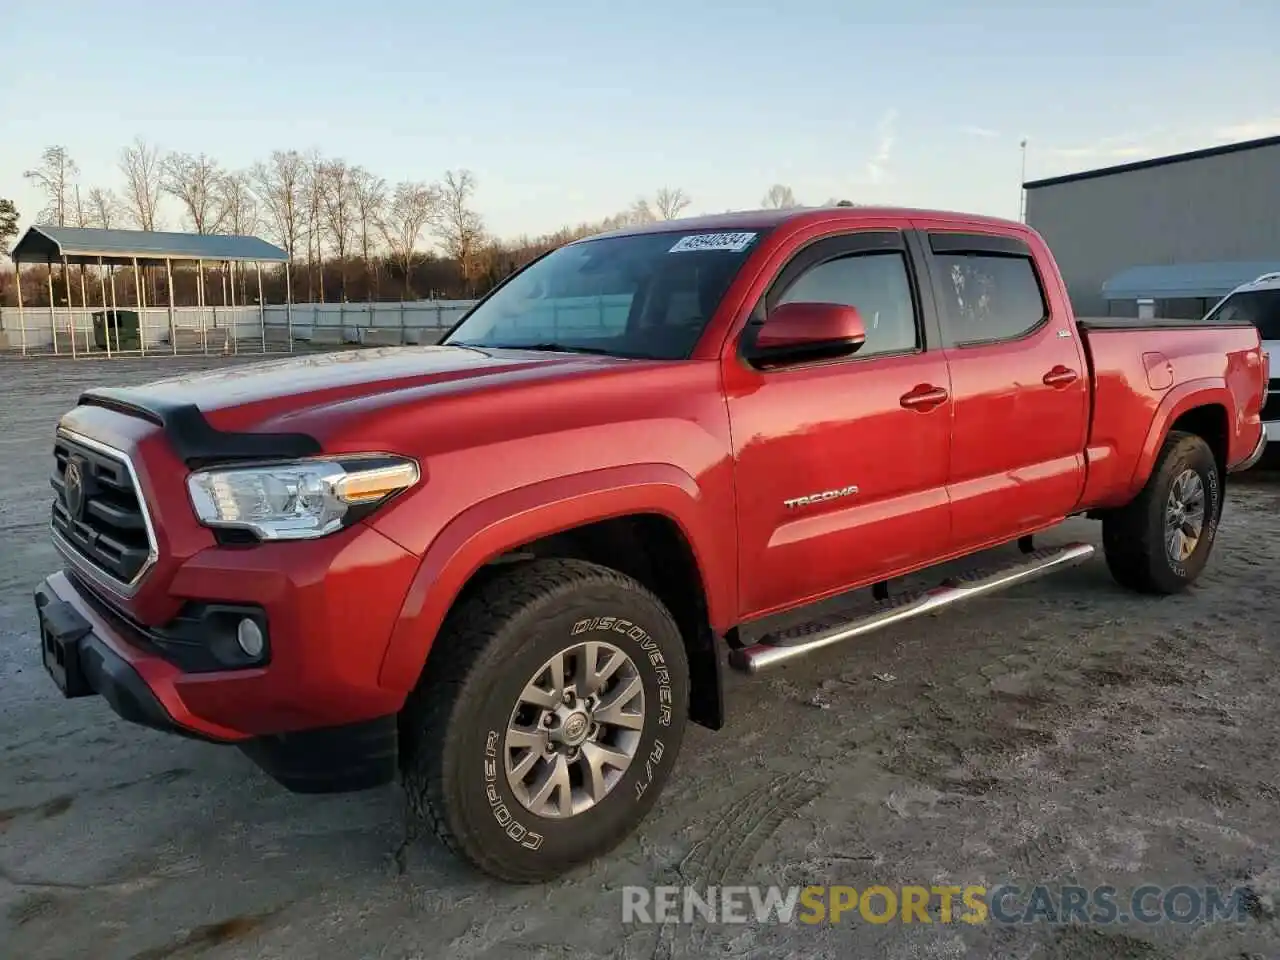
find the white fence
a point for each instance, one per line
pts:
(229, 329)
(416, 321)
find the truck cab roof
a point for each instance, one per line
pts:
(771, 218)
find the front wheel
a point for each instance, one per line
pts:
(548, 718)
(1161, 541)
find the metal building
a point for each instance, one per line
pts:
(1178, 231)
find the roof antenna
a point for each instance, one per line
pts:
(844, 203)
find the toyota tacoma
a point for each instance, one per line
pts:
(508, 569)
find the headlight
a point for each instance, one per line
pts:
(298, 500)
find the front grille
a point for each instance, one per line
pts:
(98, 510)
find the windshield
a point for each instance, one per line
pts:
(1259, 307)
(645, 295)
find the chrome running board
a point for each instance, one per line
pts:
(795, 642)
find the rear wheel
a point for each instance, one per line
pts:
(548, 718)
(1161, 541)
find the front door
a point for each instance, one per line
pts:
(841, 465)
(1019, 383)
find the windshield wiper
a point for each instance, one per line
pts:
(553, 347)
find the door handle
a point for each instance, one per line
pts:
(1060, 376)
(924, 397)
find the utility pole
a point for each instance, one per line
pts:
(1022, 191)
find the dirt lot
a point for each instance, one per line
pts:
(1064, 732)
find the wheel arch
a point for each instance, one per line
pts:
(1205, 408)
(648, 522)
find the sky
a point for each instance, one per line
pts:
(567, 111)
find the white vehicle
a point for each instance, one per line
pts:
(1258, 302)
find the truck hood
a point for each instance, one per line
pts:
(260, 396)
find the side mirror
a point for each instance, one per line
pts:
(800, 332)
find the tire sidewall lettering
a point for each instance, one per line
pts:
(513, 828)
(1213, 509)
(651, 651)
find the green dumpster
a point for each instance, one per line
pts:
(122, 326)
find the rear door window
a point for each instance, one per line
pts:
(988, 297)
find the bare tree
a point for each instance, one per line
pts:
(413, 206)
(459, 227)
(313, 207)
(80, 214)
(104, 208)
(639, 212)
(670, 202)
(8, 222)
(780, 197)
(195, 182)
(339, 209)
(237, 205)
(280, 185)
(55, 177)
(143, 173)
(370, 194)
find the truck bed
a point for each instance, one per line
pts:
(1140, 371)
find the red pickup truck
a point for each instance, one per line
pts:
(508, 568)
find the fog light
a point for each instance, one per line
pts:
(249, 636)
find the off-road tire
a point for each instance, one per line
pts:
(453, 725)
(1133, 536)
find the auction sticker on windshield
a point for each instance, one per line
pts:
(733, 242)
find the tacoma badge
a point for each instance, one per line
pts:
(819, 497)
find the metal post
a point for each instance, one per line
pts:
(53, 321)
(102, 284)
(230, 283)
(71, 317)
(1022, 191)
(142, 309)
(22, 316)
(173, 327)
(115, 313)
(288, 303)
(204, 329)
(84, 303)
(262, 308)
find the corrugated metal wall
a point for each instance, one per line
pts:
(1225, 207)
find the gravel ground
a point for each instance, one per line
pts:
(1063, 732)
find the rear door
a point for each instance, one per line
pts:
(1019, 386)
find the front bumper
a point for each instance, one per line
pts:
(313, 715)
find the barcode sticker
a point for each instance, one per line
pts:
(733, 242)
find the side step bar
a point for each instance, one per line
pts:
(796, 642)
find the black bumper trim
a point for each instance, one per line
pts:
(92, 667)
(354, 756)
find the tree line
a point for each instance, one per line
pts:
(350, 235)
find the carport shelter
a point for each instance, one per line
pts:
(50, 244)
